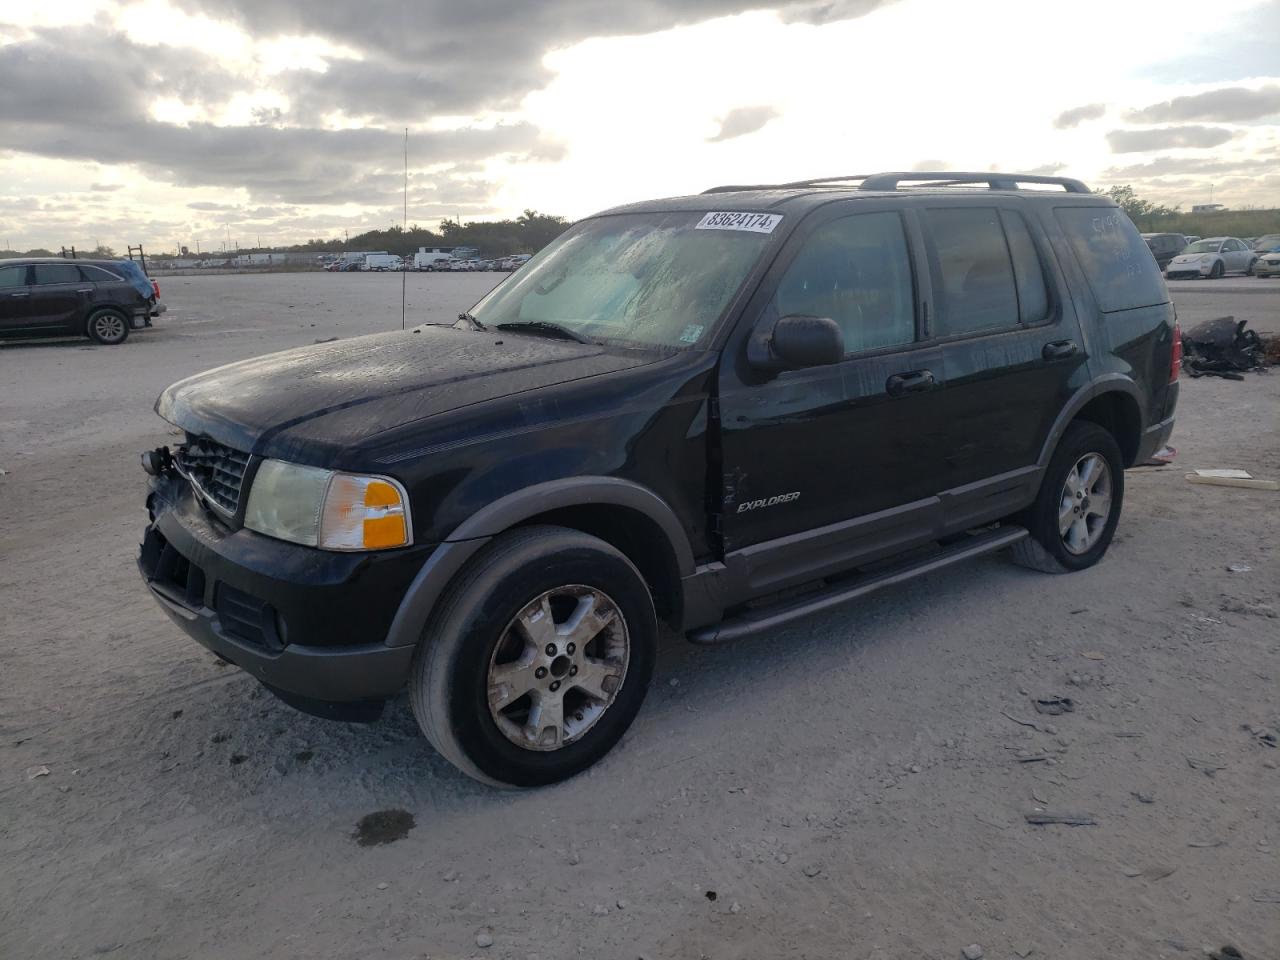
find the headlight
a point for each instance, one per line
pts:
(1207, 258)
(327, 509)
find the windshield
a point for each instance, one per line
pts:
(1204, 246)
(644, 279)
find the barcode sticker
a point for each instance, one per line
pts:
(754, 222)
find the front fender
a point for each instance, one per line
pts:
(470, 536)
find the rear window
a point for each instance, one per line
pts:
(56, 273)
(98, 274)
(1120, 269)
(13, 276)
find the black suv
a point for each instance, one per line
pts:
(59, 298)
(719, 413)
(1165, 246)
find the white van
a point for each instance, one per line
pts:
(425, 259)
(382, 261)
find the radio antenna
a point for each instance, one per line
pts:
(404, 271)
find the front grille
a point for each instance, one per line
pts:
(170, 572)
(216, 471)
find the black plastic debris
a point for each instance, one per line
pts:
(1222, 348)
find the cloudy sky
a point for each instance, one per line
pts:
(208, 120)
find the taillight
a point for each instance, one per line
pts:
(1175, 363)
(155, 287)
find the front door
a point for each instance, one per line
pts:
(15, 298)
(830, 465)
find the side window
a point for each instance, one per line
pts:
(98, 275)
(1120, 271)
(14, 276)
(56, 273)
(1033, 292)
(855, 270)
(973, 279)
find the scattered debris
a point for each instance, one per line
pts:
(1267, 896)
(1161, 458)
(1131, 871)
(383, 826)
(782, 857)
(325, 339)
(1143, 797)
(1232, 478)
(1207, 767)
(1226, 953)
(812, 870)
(1221, 347)
(383, 885)
(1041, 818)
(1128, 734)
(37, 771)
(1206, 844)
(735, 907)
(600, 910)
(1264, 736)
(1054, 705)
(710, 895)
(484, 939)
(973, 952)
(1032, 757)
(1154, 873)
(1093, 655)
(1024, 951)
(1238, 568)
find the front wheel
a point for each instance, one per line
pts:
(537, 660)
(1217, 270)
(1076, 511)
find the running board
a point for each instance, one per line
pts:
(767, 618)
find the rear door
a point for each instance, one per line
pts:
(1012, 353)
(15, 297)
(57, 294)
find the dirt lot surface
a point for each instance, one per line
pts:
(853, 786)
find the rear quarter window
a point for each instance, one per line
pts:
(1116, 261)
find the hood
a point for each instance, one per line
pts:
(333, 396)
(1190, 257)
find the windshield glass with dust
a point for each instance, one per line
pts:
(645, 280)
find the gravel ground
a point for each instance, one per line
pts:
(1255, 299)
(853, 786)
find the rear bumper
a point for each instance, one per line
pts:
(1154, 438)
(310, 624)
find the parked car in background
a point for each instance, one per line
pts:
(1266, 244)
(720, 412)
(380, 262)
(1191, 238)
(58, 298)
(426, 259)
(1164, 246)
(1268, 264)
(1212, 257)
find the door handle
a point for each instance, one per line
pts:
(917, 381)
(85, 290)
(23, 294)
(1060, 350)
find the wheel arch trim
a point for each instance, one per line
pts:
(1108, 383)
(470, 536)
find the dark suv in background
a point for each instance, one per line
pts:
(59, 298)
(1165, 246)
(719, 412)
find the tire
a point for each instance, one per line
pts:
(107, 327)
(494, 732)
(1216, 272)
(1051, 549)
(1252, 263)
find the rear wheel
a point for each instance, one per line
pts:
(1075, 514)
(108, 327)
(538, 659)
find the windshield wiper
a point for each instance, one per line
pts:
(476, 324)
(545, 328)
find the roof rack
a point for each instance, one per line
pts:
(891, 181)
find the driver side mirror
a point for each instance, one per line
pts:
(797, 341)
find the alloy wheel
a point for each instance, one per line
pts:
(108, 327)
(558, 667)
(1085, 504)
